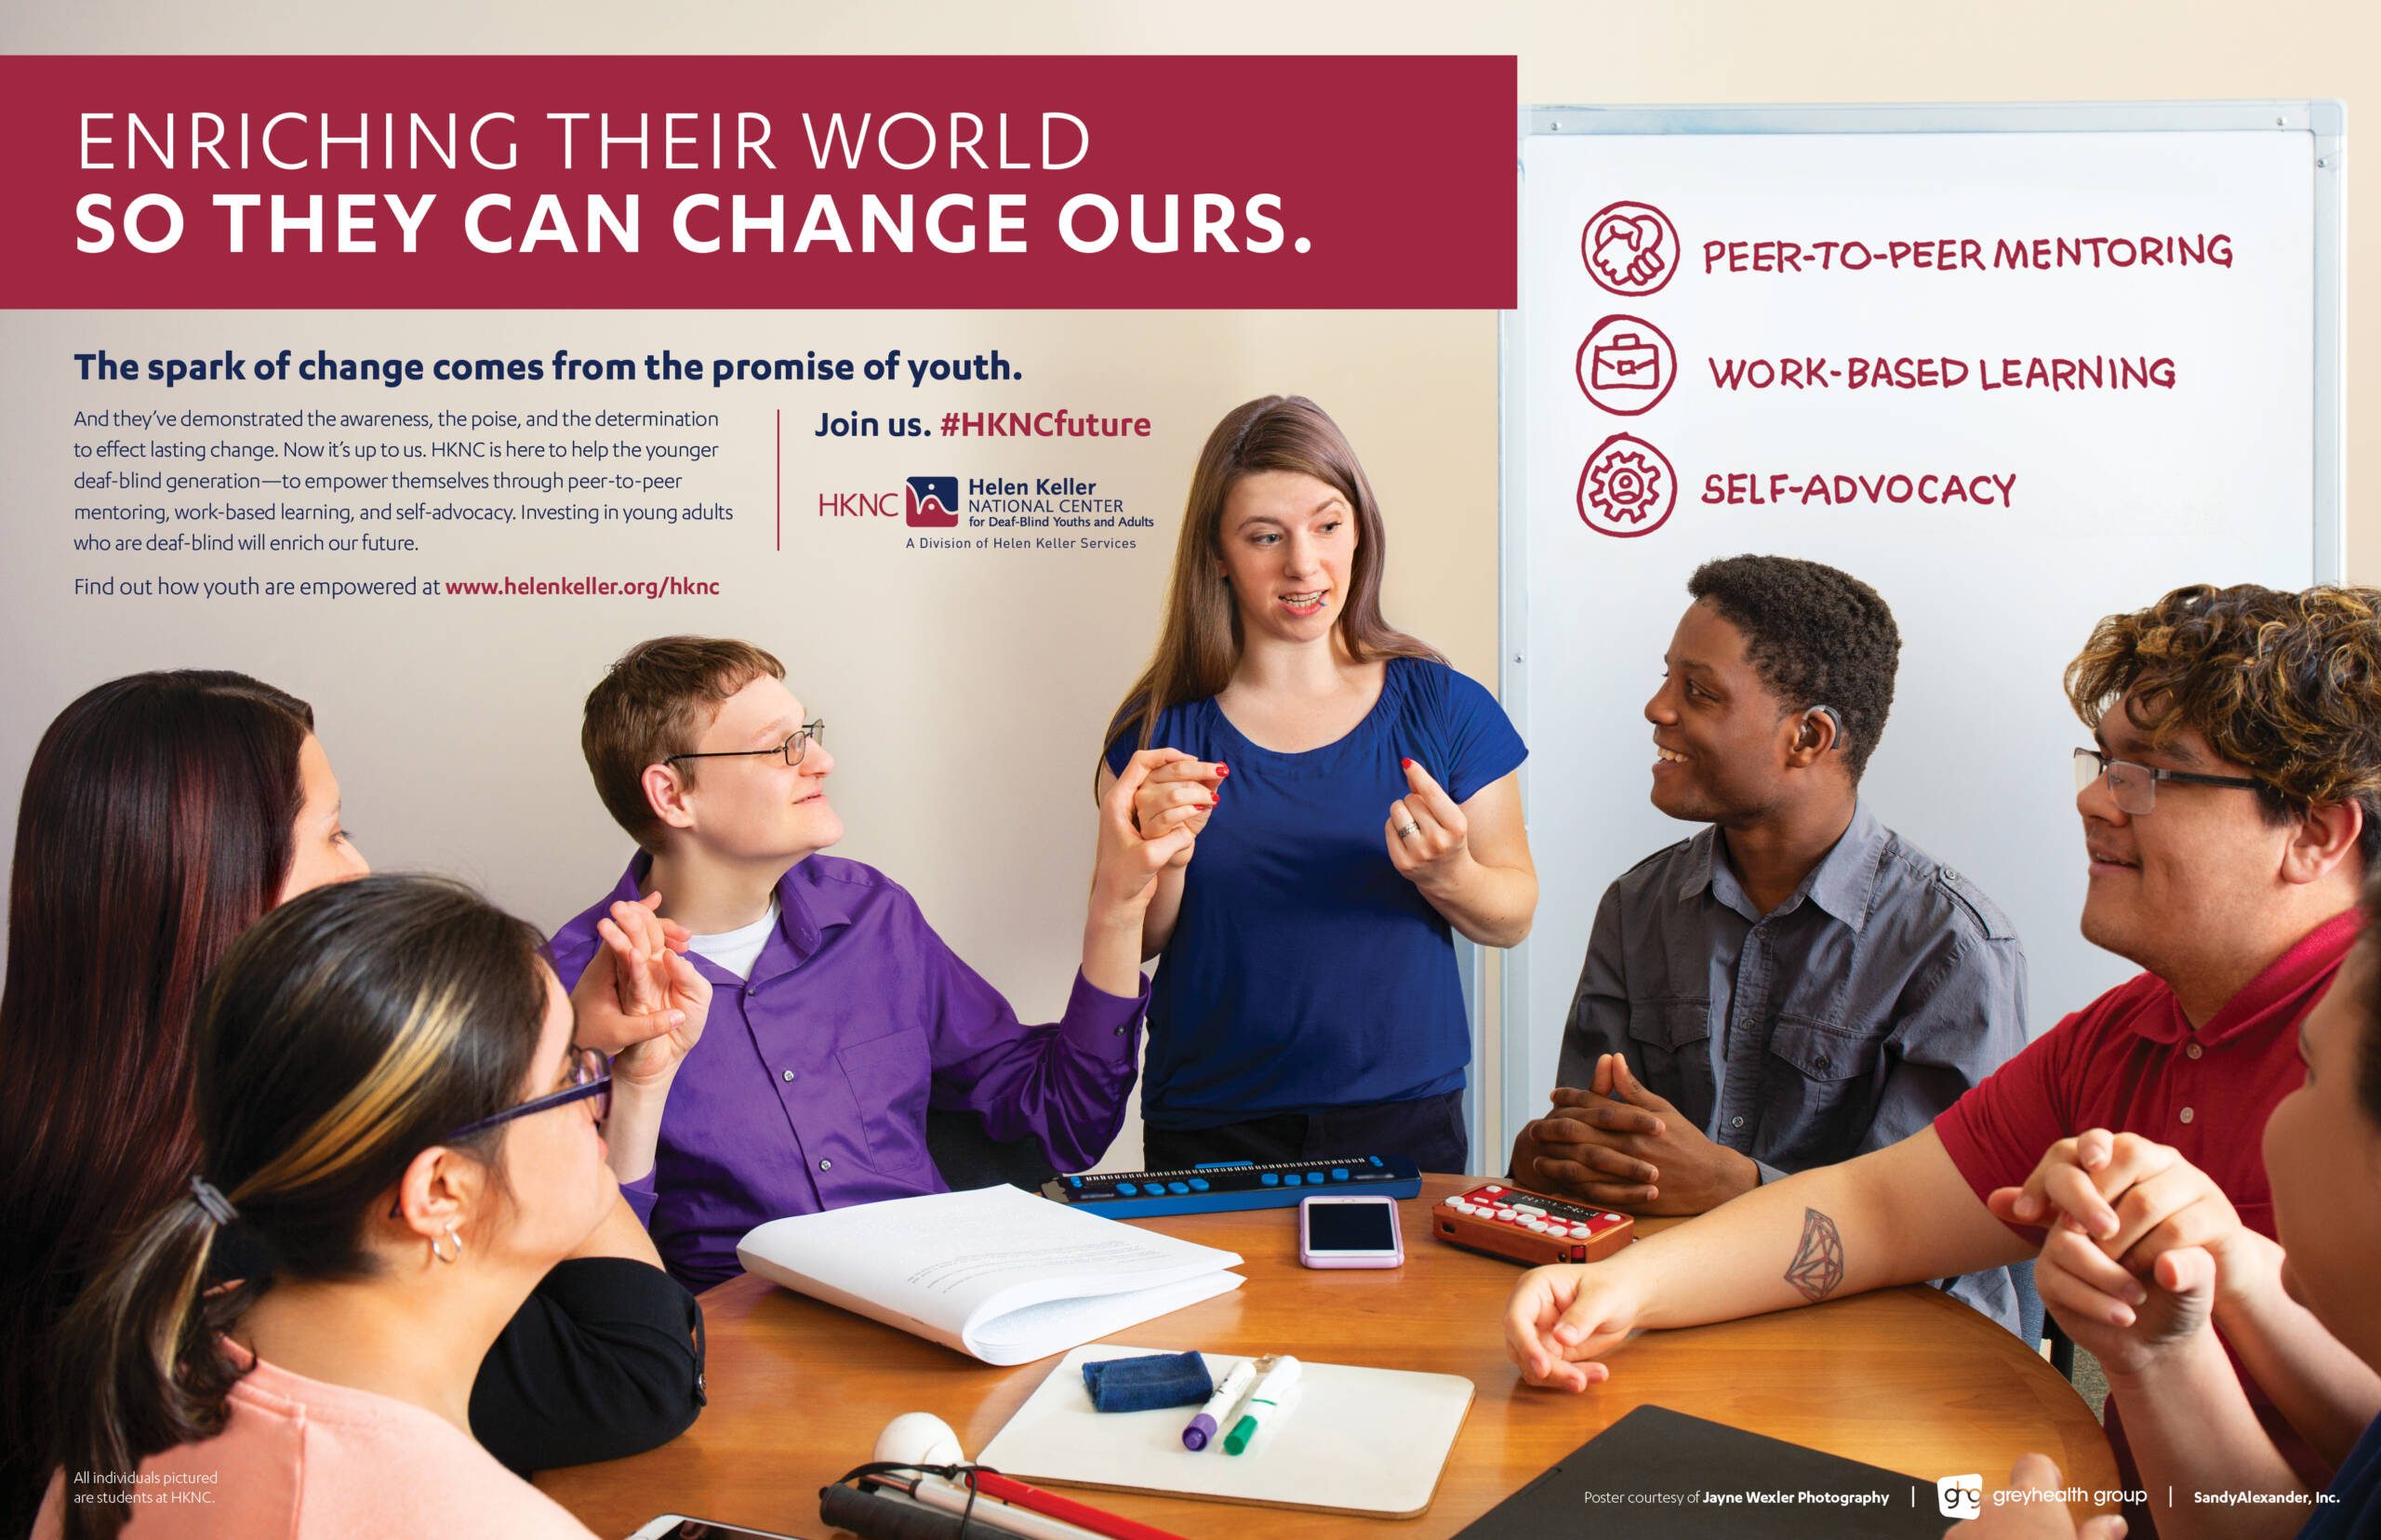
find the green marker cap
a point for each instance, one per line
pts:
(1242, 1431)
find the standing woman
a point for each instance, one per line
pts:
(163, 814)
(1356, 803)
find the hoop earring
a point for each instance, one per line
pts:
(452, 1237)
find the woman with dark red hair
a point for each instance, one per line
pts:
(163, 814)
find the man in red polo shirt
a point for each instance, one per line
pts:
(2230, 805)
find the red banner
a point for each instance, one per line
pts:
(828, 182)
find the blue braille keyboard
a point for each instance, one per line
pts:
(1234, 1184)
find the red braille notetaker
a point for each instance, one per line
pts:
(1529, 1226)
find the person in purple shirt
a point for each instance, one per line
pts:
(838, 1016)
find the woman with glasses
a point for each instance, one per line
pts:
(163, 814)
(388, 1105)
(1355, 802)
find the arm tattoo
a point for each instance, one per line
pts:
(1817, 1268)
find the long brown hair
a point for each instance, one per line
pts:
(1199, 643)
(346, 1032)
(156, 826)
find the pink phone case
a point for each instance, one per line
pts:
(1395, 1258)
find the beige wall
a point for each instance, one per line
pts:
(967, 708)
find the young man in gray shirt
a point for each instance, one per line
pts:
(1796, 984)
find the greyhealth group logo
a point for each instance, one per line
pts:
(932, 502)
(1960, 1497)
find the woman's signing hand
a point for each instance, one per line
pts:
(1428, 833)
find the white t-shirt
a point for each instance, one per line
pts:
(737, 950)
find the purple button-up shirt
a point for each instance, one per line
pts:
(810, 1086)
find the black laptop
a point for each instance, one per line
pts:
(1661, 1475)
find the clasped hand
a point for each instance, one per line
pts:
(1177, 793)
(2140, 1245)
(1150, 821)
(1618, 1146)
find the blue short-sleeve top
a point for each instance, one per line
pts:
(2351, 1504)
(1304, 973)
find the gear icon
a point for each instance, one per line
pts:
(1627, 487)
(1624, 486)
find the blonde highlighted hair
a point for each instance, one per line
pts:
(348, 1030)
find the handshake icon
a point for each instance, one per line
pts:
(1630, 247)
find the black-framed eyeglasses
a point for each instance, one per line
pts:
(2135, 786)
(589, 1076)
(792, 749)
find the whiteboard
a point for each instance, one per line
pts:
(1373, 1441)
(2230, 473)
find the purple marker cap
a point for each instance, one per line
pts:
(1202, 1428)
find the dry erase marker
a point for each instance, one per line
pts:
(1264, 1403)
(1203, 1427)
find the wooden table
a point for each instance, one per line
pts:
(1908, 1379)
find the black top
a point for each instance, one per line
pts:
(604, 1360)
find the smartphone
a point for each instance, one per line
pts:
(1354, 1231)
(677, 1526)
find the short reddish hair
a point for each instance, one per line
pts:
(656, 702)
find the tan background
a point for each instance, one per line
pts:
(967, 700)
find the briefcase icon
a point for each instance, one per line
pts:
(1626, 363)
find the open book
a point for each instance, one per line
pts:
(997, 1273)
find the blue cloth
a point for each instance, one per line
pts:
(2351, 1504)
(1304, 973)
(1147, 1382)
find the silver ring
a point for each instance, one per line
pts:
(1408, 830)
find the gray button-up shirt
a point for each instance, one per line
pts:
(1839, 1023)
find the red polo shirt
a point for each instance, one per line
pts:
(2130, 1062)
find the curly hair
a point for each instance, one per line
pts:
(2286, 684)
(1816, 636)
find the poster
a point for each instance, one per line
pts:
(421, 365)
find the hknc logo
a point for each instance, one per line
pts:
(1960, 1496)
(933, 501)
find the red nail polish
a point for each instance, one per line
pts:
(1214, 800)
(1222, 770)
(1406, 764)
